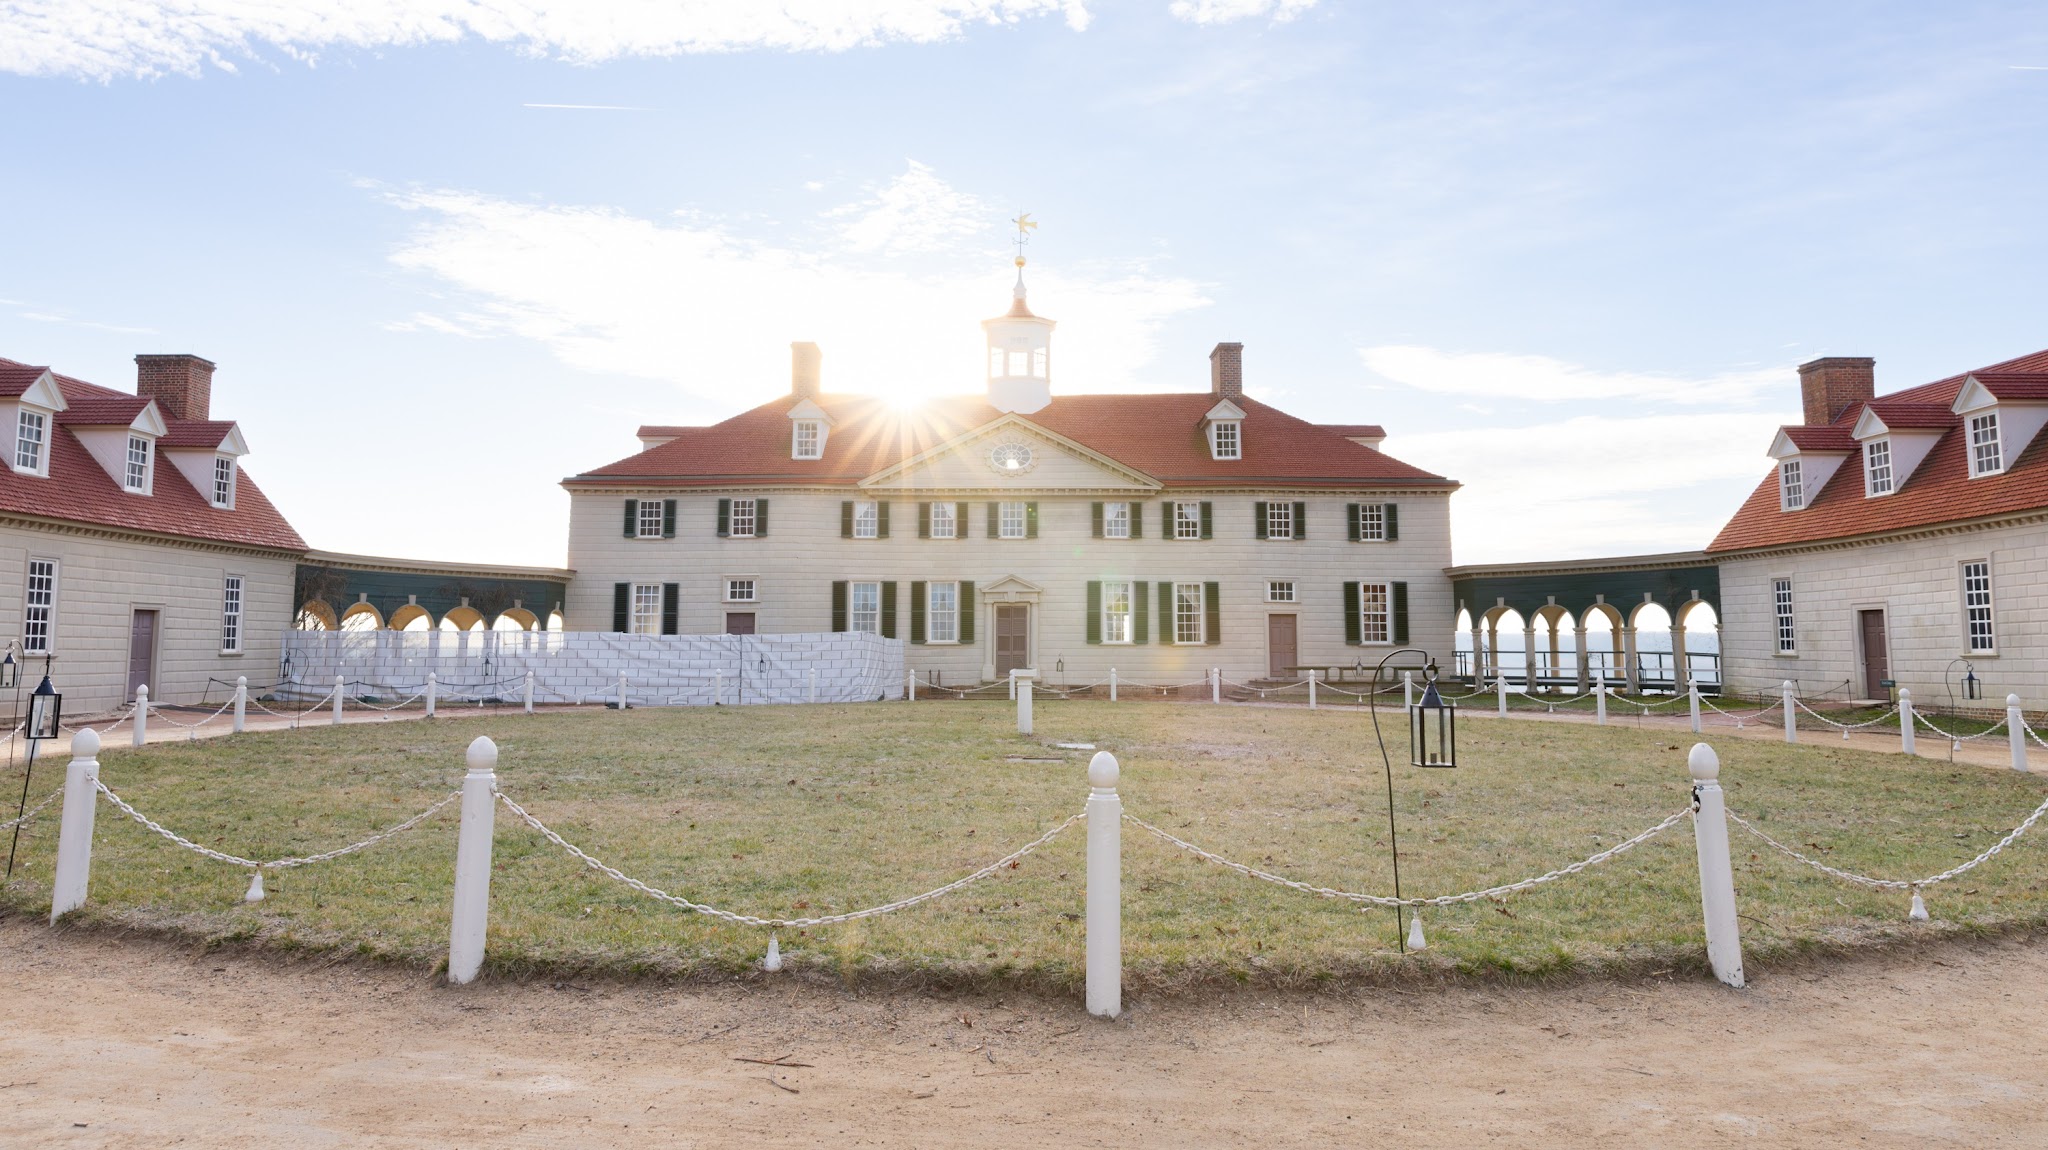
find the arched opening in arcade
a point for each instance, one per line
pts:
(412, 617)
(463, 618)
(362, 617)
(515, 619)
(314, 615)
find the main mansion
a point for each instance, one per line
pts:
(1014, 529)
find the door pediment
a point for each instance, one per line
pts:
(1010, 589)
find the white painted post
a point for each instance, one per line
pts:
(433, 690)
(340, 691)
(1500, 690)
(1023, 704)
(74, 837)
(141, 713)
(910, 685)
(2016, 731)
(1791, 715)
(473, 862)
(814, 685)
(1013, 685)
(241, 701)
(1215, 684)
(622, 690)
(1407, 688)
(529, 692)
(1692, 694)
(1312, 688)
(1105, 923)
(1717, 874)
(1112, 684)
(1600, 696)
(717, 687)
(1905, 721)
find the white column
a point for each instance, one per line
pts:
(1681, 674)
(1023, 704)
(1692, 695)
(1215, 684)
(1905, 721)
(1529, 657)
(1112, 684)
(1312, 688)
(241, 701)
(1579, 645)
(1629, 670)
(74, 836)
(2016, 732)
(1791, 715)
(1600, 696)
(433, 689)
(1105, 925)
(529, 692)
(141, 730)
(473, 862)
(341, 692)
(1717, 874)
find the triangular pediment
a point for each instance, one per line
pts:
(1225, 410)
(808, 408)
(1011, 585)
(1011, 453)
(1868, 425)
(44, 393)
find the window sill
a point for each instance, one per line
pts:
(1991, 654)
(1784, 654)
(232, 654)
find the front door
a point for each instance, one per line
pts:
(1280, 650)
(739, 622)
(1012, 640)
(1876, 667)
(141, 650)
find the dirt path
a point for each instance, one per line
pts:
(120, 1042)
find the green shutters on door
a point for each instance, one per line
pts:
(1141, 612)
(888, 608)
(917, 611)
(1212, 609)
(1095, 600)
(966, 611)
(839, 604)
(622, 606)
(1400, 612)
(1351, 632)
(671, 603)
(724, 518)
(632, 518)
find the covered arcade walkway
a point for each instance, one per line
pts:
(337, 592)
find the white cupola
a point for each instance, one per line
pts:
(1019, 348)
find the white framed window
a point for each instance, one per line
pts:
(945, 523)
(1116, 520)
(807, 439)
(740, 591)
(1020, 363)
(1279, 590)
(1987, 454)
(1781, 604)
(137, 476)
(867, 519)
(1225, 439)
(1280, 520)
(1978, 631)
(647, 608)
(224, 481)
(31, 431)
(1375, 618)
(995, 361)
(1010, 519)
(1039, 362)
(1791, 488)
(231, 615)
(865, 608)
(942, 613)
(1116, 612)
(1372, 522)
(39, 608)
(1187, 520)
(1877, 467)
(1187, 613)
(740, 523)
(648, 519)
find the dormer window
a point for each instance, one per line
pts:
(31, 432)
(136, 478)
(810, 440)
(1225, 439)
(224, 482)
(1987, 456)
(1877, 467)
(1791, 491)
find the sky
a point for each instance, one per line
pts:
(448, 252)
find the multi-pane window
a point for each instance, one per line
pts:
(1372, 522)
(28, 440)
(1791, 488)
(1187, 612)
(1039, 362)
(1010, 519)
(1977, 605)
(39, 609)
(1187, 521)
(647, 520)
(647, 608)
(867, 519)
(1280, 520)
(741, 522)
(866, 605)
(1375, 621)
(1116, 612)
(739, 590)
(231, 615)
(1987, 456)
(942, 613)
(1877, 467)
(1224, 437)
(1020, 363)
(1280, 591)
(223, 481)
(995, 361)
(1781, 602)
(944, 524)
(137, 477)
(810, 440)
(1116, 520)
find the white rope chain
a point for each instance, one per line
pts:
(1801, 704)
(778, 923)
(156, 712)
(393, 707)
(1438, 900)
(1925, 722)
(324, 700)
(32, 811)
(1892, 883)
(275, 864)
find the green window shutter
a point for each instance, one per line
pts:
(1351, 514)
(917, 611)
(1258, 521)
(839, 604)
(760, 517)
(1393, 522)
(1095, 514)
(671, 607)
(889, 608)
(632, 518)
(1212, 613)
(622, 596)
(1351, 631)
(724, 518)
(1166, 520)
(1206, 531)
(1301, 520)
(881, 520)
(1031, 520)
(966, 611)
(1137, 521)
(845, 520)
(668, 519)
(1400, 612)
(1169, 631)
(1095, 608)
(960, 528)
(995, 520)
(924, 521)
(1141, 611)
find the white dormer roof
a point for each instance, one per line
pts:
(1224, 409)
(44, 393)
(809, 409)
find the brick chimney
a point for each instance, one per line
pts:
(182, 385)
(1832, 385)
(1226, 370)
(806, 368)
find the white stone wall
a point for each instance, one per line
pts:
(1918, 584)
(581, 667)
(104, 579)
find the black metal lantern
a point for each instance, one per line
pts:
(45, 711)
(10, 671)
(1433, 729)
(1973, 687)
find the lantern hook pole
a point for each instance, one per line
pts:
(1393, 837)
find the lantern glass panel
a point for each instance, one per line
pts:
(1432, 731)
(45, 711)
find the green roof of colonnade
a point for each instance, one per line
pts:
(1577, 585)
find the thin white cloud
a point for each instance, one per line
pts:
(1495, 375)
(104, 39)
(695, 302)
(52, 317)
(1226, 11)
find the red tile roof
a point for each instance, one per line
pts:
(1160, 435)
(1836, 438)
(1363, 430)
(208, 434)
(2006, 385)
(80, 491)
(1939, 490)
(1912, 416)
(96, 411)
(16, 378)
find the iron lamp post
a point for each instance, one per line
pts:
(1433, 739)
(45, 717)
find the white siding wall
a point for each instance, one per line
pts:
(795, 565)
(101, 583)
(1918, 585)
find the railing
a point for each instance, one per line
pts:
(1653, 668)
